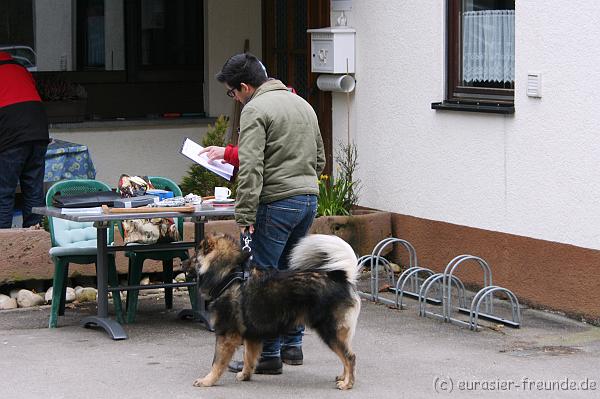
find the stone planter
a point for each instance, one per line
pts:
(65, 111)
(362, 230)
(25, 251)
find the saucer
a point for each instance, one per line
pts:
(223, 201)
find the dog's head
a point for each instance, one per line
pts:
(217, 256)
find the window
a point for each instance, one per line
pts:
(135, 58)
(90, 35)
(169, 34)
(166, 40)
(481, 55)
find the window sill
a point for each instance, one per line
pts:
(486, 108)
(133, 123)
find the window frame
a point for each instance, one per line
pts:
(139, 91)
(455, 92)
(137, 72)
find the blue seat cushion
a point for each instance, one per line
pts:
(73, 250)
(73, 234)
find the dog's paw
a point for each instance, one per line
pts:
(339, 378)
(203, 382)
(241, 376)
(343, 385)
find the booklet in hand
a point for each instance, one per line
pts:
(191, 150)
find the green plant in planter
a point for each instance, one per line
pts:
(338, 195)
(200, 180)
(332, 196)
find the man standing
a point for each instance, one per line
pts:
(23, 142)
(280, 159)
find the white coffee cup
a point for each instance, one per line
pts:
(222, 193)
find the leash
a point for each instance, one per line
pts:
(247, 239)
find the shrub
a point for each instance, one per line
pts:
(56, 89)
(200, 180)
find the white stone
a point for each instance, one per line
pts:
(395, 267)
(145, 281)
(69, 297)
(27, 299)
(14, 292)
(7, 302)
(87, 294)
(152, 291)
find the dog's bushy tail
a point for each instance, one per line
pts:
(326, 253)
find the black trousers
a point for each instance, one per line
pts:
(23, 164)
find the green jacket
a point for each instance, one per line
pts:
(280, 150)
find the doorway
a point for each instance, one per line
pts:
(286, 54)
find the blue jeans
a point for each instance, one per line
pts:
(278, 228)
(22, 164)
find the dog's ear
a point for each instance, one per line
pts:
(207, 244)
(189, 265)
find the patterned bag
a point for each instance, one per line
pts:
(144, 231)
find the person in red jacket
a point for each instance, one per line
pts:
(227, 154)
(23, 142)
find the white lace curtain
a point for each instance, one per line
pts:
(489, 46)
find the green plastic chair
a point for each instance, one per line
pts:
(136, 259)
(74, 242)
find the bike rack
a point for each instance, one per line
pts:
(483, 295)
(448, 272)
(412, 262)
(428, 283)
(386, 264)
(447, 279)
(489, 291)
(376, 260)
(401, 291)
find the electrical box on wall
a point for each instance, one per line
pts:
(534, 84)
(341, 5)
(332, 50)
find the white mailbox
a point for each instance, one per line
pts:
(332, 50)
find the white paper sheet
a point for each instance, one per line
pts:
(82, 211)
(191, 149)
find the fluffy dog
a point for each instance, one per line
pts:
(318, 290)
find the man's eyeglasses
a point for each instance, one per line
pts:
(231, 93)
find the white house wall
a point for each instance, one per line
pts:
(534, 173)
(228, 25)
(126, 150)
(53, 34)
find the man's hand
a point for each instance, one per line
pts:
(250, 229)
(213, 153)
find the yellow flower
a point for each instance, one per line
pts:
(323, 177)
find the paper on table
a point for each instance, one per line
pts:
(82, 211)
(191, 149)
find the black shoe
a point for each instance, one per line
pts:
(292, 355)
(270, 365)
